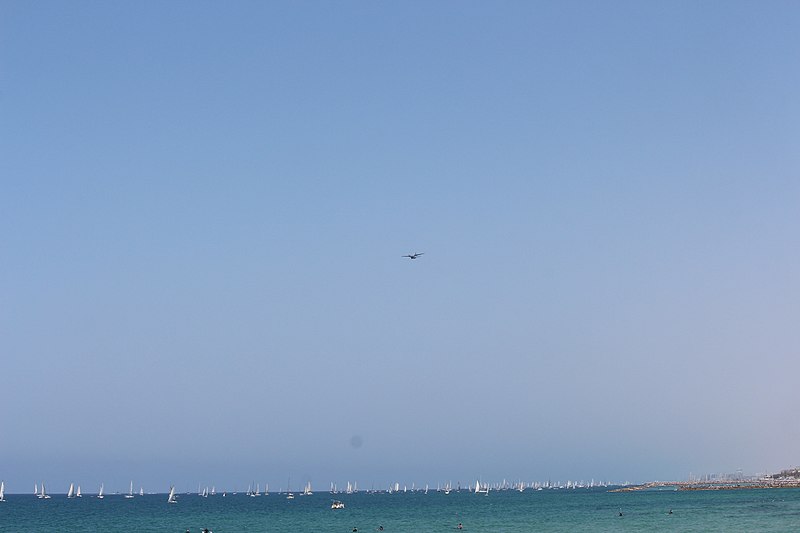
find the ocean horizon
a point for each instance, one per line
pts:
(580, 509)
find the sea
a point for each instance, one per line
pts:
(567, 510)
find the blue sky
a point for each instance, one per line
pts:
(204, 206)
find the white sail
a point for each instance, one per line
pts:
(171, 498)
(130, 492)
(141, 491)
(71, 492)
(2, 491)
(78, 493)
(100, 494)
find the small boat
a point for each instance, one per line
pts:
(171, 498)
(336, 504)
(130, 492)
(141, 491)
(43, 495)
(307, 489)
(2, 491)
(78, 492)
(71, 491)
(100, 494)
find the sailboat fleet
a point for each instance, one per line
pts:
(479, 487)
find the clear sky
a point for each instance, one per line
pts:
(203, 209)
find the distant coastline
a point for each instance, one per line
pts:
(765, 483)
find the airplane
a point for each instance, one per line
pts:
(414, 255)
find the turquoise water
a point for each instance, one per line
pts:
(509, 511)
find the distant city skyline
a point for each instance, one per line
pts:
(205, 208)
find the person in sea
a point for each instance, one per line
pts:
(460, 526)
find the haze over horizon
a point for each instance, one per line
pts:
(204, 207)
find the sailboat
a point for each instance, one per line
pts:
(479, 490)
(35, 489)
(100, 494)
(171, 497)
(78, 492)
(43, 495)
(2, 491)
(71, 492)
(289, 496)
(307, 490)
(130, 492)
(141, 491)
